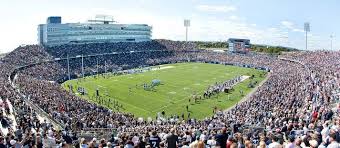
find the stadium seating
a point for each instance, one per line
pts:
(301, 94)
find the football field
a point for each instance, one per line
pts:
(178, 83)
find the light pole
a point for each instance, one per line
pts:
(186, 25)
(307, 29)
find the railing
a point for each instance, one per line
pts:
(105, 133)
(36, 108)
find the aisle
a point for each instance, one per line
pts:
(10, 116)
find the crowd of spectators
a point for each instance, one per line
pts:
(100, 48)
(28, 131)
(296, 107)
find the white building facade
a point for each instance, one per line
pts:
(55, 33)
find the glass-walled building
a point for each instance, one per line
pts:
(95, 31)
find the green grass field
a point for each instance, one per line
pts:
(179, 82)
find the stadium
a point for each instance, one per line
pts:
(163, 93)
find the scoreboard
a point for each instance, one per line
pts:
(239, 45)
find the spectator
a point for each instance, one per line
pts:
(172, 139)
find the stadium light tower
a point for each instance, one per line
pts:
(105, 67)
(186, 25)
(307, 29)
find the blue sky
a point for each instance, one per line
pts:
(273, 22)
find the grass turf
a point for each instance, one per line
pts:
(179, 82)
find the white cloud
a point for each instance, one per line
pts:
(298, 30)
(287, 24)
(273, 29)
(291, 26)
(233, 17)
(216, 8)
